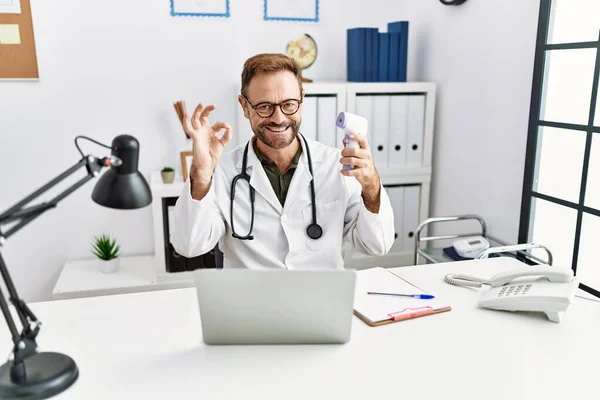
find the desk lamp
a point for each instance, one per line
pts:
(30, 374)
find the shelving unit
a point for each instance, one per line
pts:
(407, 182)
(401, 117)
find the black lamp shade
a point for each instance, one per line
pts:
(123, 186)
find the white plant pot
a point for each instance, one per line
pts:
(110, 266)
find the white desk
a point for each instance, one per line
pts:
(148, 346)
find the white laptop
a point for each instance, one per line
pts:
(242, 306)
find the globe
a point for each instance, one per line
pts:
(303, 50)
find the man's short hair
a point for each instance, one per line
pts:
(268, 63)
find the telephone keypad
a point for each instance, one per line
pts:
(514, 290)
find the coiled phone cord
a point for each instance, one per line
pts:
(465, 280)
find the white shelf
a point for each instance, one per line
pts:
(83, 278)
(405, 176)
(332, 87)
(390, 260)
(160, 189)
(391, 87)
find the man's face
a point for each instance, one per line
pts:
(279, 130)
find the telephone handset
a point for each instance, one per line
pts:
(548, 289)
(553, 274)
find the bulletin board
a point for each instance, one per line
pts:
(17, 45)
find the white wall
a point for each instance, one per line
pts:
(481, 54)
(114, 67)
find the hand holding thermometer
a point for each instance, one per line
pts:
(352, 124)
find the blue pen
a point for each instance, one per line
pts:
(414, 296)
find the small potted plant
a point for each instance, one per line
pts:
(167, 174)
(107, 250)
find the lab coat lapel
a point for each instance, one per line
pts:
(260, 182)
(300, 184)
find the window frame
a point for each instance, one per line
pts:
(535, 123)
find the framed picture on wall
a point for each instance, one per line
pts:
(200, 8)
(186, 163)
(291, 10)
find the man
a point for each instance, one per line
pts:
(352, 208)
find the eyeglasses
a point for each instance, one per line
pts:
(265, 110)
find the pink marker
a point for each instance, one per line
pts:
(409, 313)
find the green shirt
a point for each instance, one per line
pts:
(280, 181)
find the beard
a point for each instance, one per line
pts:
(277, 140)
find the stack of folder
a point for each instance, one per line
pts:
(375, 56)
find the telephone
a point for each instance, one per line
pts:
(470, 247)
(548, 289)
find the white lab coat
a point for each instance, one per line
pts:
(280, 238)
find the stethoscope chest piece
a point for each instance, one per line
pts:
(314, 231)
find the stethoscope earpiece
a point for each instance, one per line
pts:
(314, 231)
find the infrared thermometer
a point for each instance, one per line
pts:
(351, 124)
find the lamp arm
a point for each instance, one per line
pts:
(24, 342)
(85, 160)
(17, 211)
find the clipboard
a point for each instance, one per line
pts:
(377, 310)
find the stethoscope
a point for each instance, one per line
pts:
(314, 230)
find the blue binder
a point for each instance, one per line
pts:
(394, 57)
(401, 27)
(384, 57)
(356, 54)
(372, 54)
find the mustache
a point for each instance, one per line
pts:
(282, 125)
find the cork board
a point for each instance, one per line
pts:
(17, 45)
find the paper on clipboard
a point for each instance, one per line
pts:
(377, 308)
